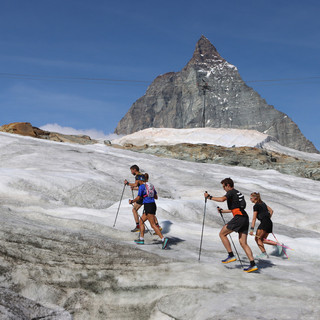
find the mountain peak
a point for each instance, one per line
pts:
(205, 51)
(205, 42)
(177, 100)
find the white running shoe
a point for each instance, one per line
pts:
(280, 249)
(262, 255)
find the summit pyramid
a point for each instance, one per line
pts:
(209, 92)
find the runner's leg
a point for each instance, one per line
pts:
(261, 235)
(151, 218)
(135, 209)
(223, 236)
(142, 227)
(244, 245)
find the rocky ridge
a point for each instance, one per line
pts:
(250, 157)
(209, 92)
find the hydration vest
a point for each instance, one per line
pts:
(149, 190)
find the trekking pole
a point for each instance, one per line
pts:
(219, 209)
(119, 206)
(204, 215)
(139, 215)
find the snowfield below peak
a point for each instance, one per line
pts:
(225, 137)
(218, 136)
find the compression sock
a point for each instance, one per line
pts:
(231, 254)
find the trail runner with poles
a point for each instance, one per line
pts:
(148, 194)
(239, 223)
(263, 213)
(135, 171)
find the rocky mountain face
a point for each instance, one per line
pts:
(209, 92)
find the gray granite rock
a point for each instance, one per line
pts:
(209, 92)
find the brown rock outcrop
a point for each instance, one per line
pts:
(26, 129)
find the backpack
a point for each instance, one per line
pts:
(242, 201)
(150, 191)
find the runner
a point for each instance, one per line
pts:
(155, 218)
(134, 186)
(263, 213)
(148, 193)
(239, 223)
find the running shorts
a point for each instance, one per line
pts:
(266, 225)
(150, 208)
(239, 224)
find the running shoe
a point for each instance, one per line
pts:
(136, 229)
(165, 243)
(229, 259)
(262, 255)
(280, 249)
(139, 241)
(251, 269)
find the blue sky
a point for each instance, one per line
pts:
(138, 40)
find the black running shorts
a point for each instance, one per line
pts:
(239, 224)
(266, 225)
(150, 208)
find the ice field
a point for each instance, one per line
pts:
(54, 192)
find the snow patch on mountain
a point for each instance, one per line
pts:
(216, 136)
